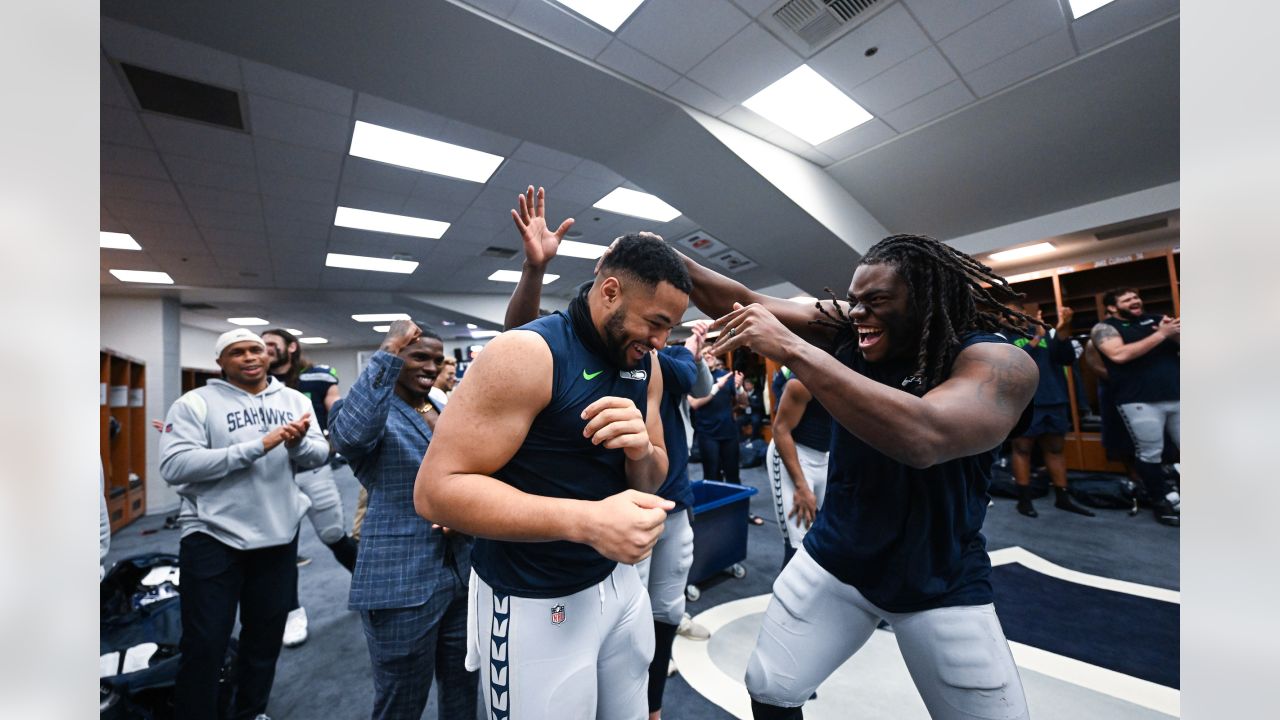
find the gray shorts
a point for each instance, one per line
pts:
(958, 656)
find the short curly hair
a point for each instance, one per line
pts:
(647, 257)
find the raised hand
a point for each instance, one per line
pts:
(615, 423)
(401, 335)
(1170, 327)
(755, 327)
(696, 340)
(540, 242)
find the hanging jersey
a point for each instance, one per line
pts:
(1150, 378)
(907, 539)
(555, 460)
(314, 381)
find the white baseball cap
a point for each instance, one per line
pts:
(231, 337)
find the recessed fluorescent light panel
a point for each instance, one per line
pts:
(380, 317)
(472, 326)
(485, 333)
(389, 223)
(249, 321)
(609, 14)
(142, 276)
(1080, 8)
(313, 340)
(117, 241)
(293, 331)
(1023, 252)
(394, 147)
(512, 276)
(381, 328)
(360, 262)
(588, 251)
(625, 201)
(804, 104)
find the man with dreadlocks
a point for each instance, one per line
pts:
(922, 389)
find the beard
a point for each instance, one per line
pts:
(615, 339)
(277, 362)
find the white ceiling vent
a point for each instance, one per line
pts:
(809, 25)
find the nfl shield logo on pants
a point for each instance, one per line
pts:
(557, 614)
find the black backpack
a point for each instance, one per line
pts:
(751, 453)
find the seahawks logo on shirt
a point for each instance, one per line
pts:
(633, 374)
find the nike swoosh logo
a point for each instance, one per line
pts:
(590, 376)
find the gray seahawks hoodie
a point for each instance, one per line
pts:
(231, 487)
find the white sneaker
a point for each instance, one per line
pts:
(692, 630)
(261, 717)
(295, 628)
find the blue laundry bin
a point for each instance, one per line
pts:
(719, 531)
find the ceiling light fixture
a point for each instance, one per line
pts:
(293, 331)
(575, 249)
(380, 317)
(1080, 8)
(360, 262)
(485, 333)
(389, 223)
(381, 328)
(313, 340)
(472, 326)
(806, 105)
(248, 321)
(609, 14)
(1022, 252)
(511, 276)
(117, 241)
(142, 276)
(625, 201)
(374, 142)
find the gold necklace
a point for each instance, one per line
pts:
(426, 408)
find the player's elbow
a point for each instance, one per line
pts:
(425, 501)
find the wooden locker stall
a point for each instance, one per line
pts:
(122, 406)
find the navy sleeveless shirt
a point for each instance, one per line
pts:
(814, 429)
(555, 460)
(907, 539)
(1150, 378)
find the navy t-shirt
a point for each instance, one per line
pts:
(679, 372)
(814, 429)
(907, 539)
(555, 460)
(1051, 356)
(715, 419)
(1150, 378)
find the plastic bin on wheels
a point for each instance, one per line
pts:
(720, 513)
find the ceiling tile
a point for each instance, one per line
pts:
(209, 220)
(814, 156)
(167, 237)
(460, 133)
(376, 110)
(112, 91)
(280, 157)
(283, 208)
(1119, 18)
(455, 191)
(934, 105)
(744, 65)
(299, 125)
(500, 8)
(197, 140)
(893, 31)
(122, 126)
(579, 190)
(636, 65)
(593, 170)
(560, 26)
(486, 219)
(134, 162)
(904, 82)
(1041, 55)
(435, 208)
(375, 175)
(298, 89)
(858, 139)
(215, 199)
(1001, 32)
(546, 157)
(152, 50)
(680, 33)
(295, 187)
(128, 211)
(287, 228)
(191, 171)
(365, 198)
(136, 188)
(693, 94)
(516, 175)
(754, 7)
(940, 19)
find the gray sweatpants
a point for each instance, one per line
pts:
(665, 573)
(1148, 423)
(957, 656)
(325, 513)
(577, 657)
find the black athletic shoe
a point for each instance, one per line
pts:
(1026, 508)
(1064, 502)
(1167, 514)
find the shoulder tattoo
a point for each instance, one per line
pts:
(1010, 377)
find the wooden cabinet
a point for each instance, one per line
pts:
(1081, 287)
(193, 378)
(123, 435)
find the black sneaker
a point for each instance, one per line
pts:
(1167, 513)
(1026, 508)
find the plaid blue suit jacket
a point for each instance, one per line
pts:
(402, 561)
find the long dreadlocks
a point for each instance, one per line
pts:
(946, 290)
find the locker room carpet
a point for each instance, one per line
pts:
(329, 676)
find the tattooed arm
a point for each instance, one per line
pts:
(970, 412)
(1108, 341)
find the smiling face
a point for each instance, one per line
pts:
(245, 364)
(640, 318)
(1128, 306)
(422, 361)
(882, 312)
(278, 352)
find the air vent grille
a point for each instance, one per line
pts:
(817, 21)
(172, 95)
